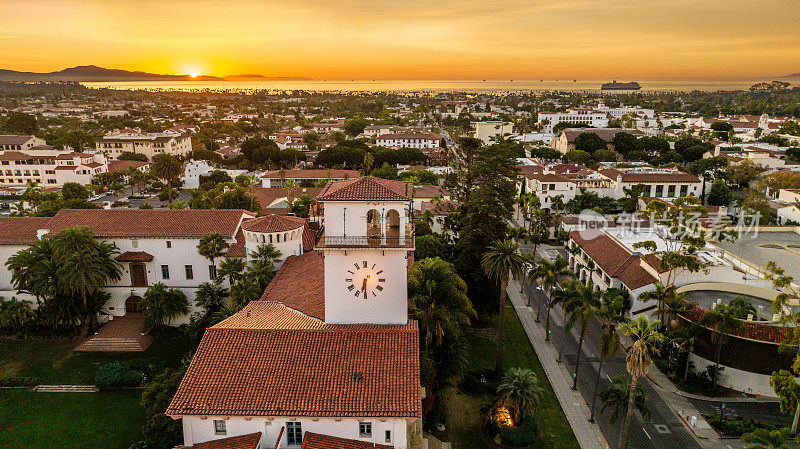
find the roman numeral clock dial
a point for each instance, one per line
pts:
(365, 280)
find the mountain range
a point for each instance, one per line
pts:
(90, 73)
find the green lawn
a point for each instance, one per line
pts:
(111, 420)
(464, 421)
(53, 362)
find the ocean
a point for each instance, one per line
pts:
(429, 86)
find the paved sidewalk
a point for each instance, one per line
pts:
(588, 434)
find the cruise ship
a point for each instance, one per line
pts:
(614, 85)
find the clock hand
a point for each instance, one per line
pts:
(364, 288)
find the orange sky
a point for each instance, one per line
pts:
(409, 39)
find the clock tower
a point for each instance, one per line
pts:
(367, 236)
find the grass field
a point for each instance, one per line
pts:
(464, 420)
(107, 420)
(111, 420)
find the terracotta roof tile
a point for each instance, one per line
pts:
(273, 223)
(318, 441)
(269, 315)
(645, 177)
(249, 441)
(312, 174)
(336, 371)
(237, 249)
(367, 189)
(300, 284)
(749, 329)
(155, 223)
(615, 260)
(21, 230)
(134, 256)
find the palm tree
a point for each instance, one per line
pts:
(610, 314)
(210, 296)
(168, 168)
(14, 314)
(369, 159)
(245, 290)
(582, 307)
(212, 246)
(232, 268)
(84, 265)
(661, 294)
(262, 264)
(161, 305)
(551, 273)
(767, 439)
(33, 270)
(500, 259)
(646, 338)
(722, 321)
(683, 339)
(438, 301)
(291, 188)
(569, 289)
(519, 391)
(616, 397)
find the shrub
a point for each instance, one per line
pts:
(15, 381)
(736, 427)
(150, 367)
(472, 382)
(116, 375)
(522, 435)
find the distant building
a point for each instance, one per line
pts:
(423, 140)
(47, 167)
(565, 140)
(19, 143)
(486, 130)
(574, 116)
(278, 178)
(150, 144)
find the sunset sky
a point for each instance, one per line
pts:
(409, 39)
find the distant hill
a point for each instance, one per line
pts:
(793, 75)
(89, 73)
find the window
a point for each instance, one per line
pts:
(189, 272)
(212, 271)
(684, 190)
(294, 433)
(671, 191)
(388, 436)
(365, 429)
(219, 427)
(169, 244)
(134, 243)
(164, 272)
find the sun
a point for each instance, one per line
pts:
(194, 73)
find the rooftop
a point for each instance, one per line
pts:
(367, 188)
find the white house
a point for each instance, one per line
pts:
(328, 352)
(48, 167)
(192, 171)
(658, 182)
(420, 140)
(19, 143)
(486, 130)
(788, 210)
(150, 144)
(583, 117)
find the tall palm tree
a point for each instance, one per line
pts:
(84, 265)
(162, 304)
(231, 268)
(369, 159)
(610, 314)
(569, 289)
(168, 168)
(767, 439)
(638, 359)
(683, 339)
(660, 294)
(438, 301)
(616, 397)
(519, 391)
(581, 308)
(501, 259)
(551, 273)
(722, 321)
(14, 314)
(212, 246)
(210, 296)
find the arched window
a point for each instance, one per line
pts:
(392, 224)
(373, 224)
(270, 238)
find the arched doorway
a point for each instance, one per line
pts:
(133, 304)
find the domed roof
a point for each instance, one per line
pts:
(273, 223)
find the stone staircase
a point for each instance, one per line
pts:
(65, 389)
(121, 334)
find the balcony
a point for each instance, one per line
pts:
(393, 238)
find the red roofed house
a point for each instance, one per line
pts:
(327, 358)
(278, 178)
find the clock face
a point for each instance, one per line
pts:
(365, 280)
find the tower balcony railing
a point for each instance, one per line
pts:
(394, 237)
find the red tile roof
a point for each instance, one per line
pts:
(268, 195)
(237, 249)
(318, 441)
(336, 371)
(300, 284)
(645, 177)
(273, 223)
(269, 315)
(249, 441)
(21, 230)
(367, 189)
(153, 223)
(749, 329)
(119, 166)
(134, 256)
(615, 260)
(429, 191)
